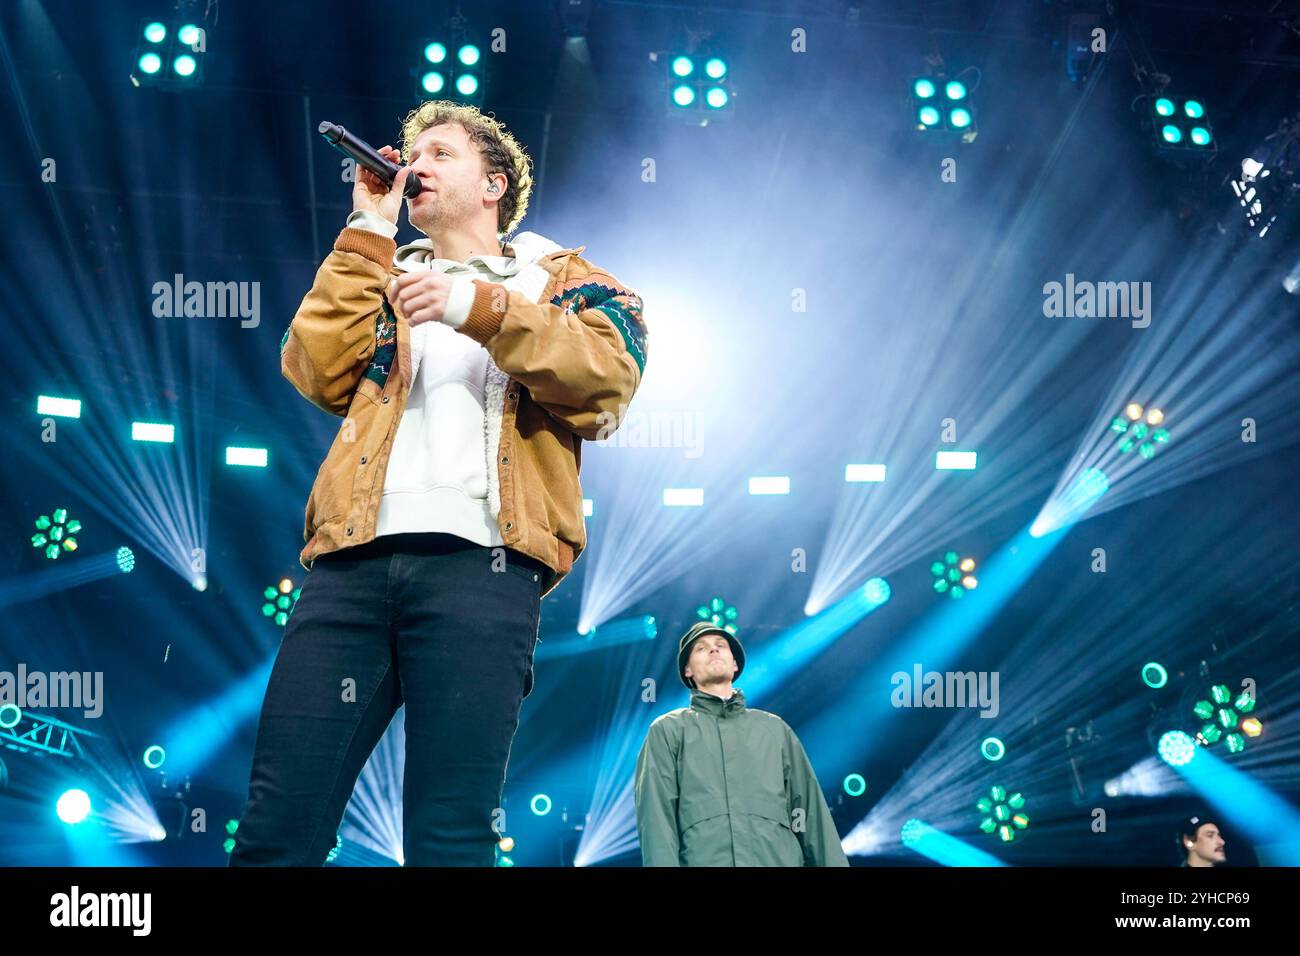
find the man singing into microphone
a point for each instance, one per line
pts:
(467, 372)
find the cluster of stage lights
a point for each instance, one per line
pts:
(229, 843)
(1141, 429)
(1223, 718)
(1002, 813)
(279, 601)
(698, 84)
(169, 55)
(1181, 124)
(952, 575)
(504, 846)
(56, 533)
(151, 432)
(443, 74)
(943, 104)
(719, 613)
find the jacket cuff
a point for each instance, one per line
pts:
(372, 222)
(484, 319)
(459, 301)
(378, 249)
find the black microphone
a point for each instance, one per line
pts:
(366, 155)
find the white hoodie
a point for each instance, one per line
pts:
(442, 462)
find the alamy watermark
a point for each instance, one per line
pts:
(652, 430)
(1098, 300)
(208, 300)
(69, 690)
(946, 689)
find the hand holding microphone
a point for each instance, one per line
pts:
(381, 180)
(373, 194)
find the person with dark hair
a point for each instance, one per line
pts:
(468, 371)
(722, 784)
(1200, 842)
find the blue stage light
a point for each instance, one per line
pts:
(1176, 748)
(73, 806)
(911, 832)
(1154, 675)
(993, 749)
(876, 591)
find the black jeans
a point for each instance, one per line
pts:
(415, 619)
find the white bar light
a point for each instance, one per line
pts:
(770, 485)
(864, 472)
(153, 431)
(61, 407)
(588, 507)
(253, 457)
(683, 497)
(954, 461)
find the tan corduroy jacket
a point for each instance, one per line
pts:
(562, 369)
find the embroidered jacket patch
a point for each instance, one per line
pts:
(621, 306)
(385, 346)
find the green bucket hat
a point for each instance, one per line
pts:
(698, 630)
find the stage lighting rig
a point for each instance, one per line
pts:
(941, 104)
(56, 533)
(1140, 429)
(170, 54)
(1002, 813)
(1181, 125)
(698, 85)
(1268, 181)
(1223, 718)
(719, 613)
(451, 68)
(279, 601)
(953, 575)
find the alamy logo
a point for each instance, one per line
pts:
(946, 689)
(208, 300)
(102, 909)
(68, 690)
(1098, 300)
(653, 430)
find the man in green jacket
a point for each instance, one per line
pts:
(719, 784)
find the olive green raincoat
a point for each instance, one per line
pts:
(718, 784)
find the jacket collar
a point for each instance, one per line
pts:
(525, 249)
(706, 703)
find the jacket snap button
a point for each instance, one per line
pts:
(349, 532)
(386, 398)
(505, 461)
(363, 459)
(512, 396)
(509, 525)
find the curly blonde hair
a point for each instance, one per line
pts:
(501, 152)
